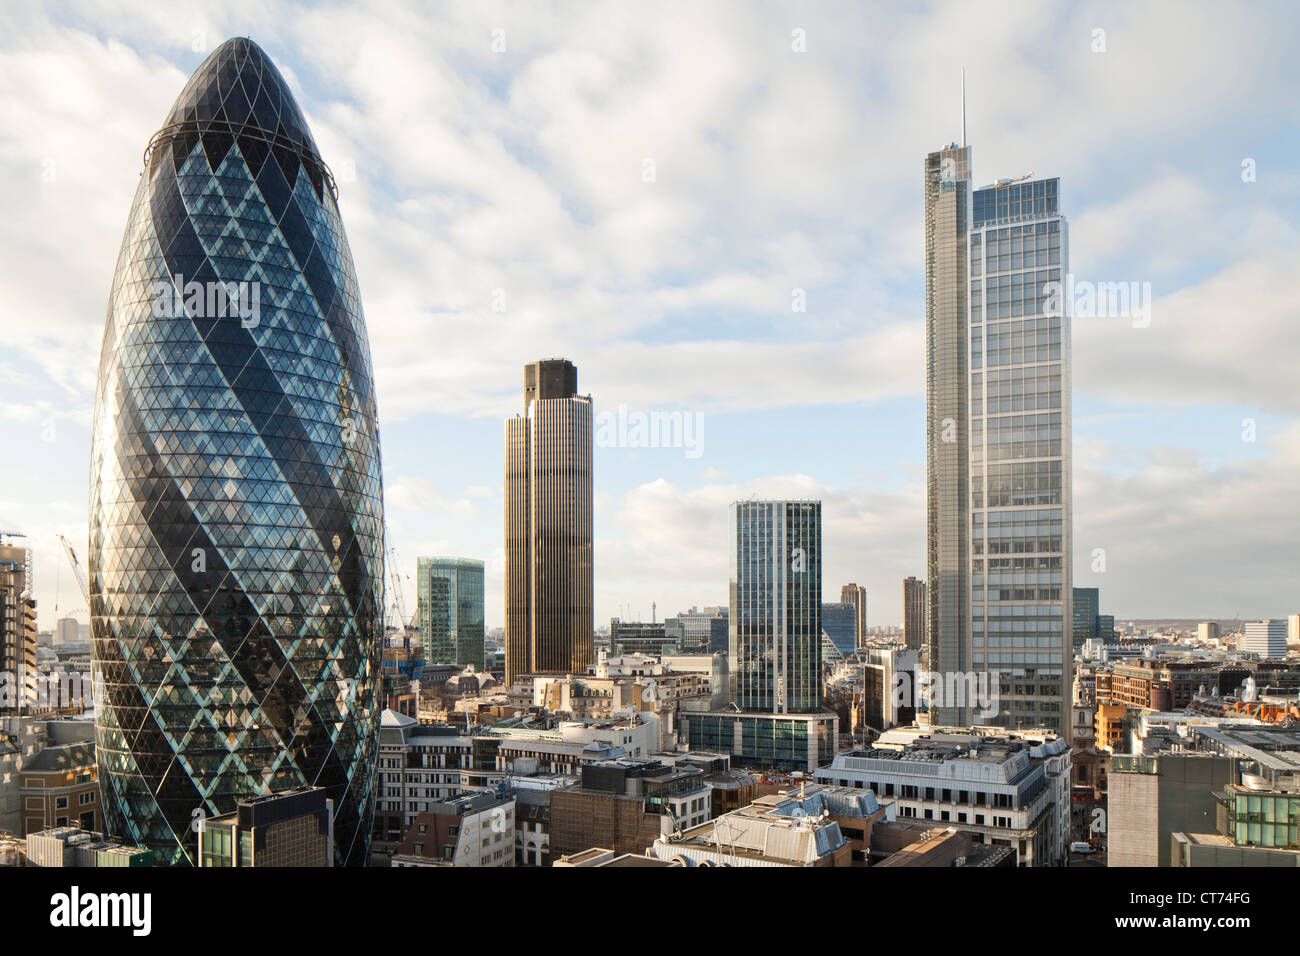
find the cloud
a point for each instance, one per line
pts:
(499, 211)
(1183, 538)
(1230, 339)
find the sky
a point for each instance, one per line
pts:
(651, 191)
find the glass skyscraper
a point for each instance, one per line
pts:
(449, 597)
(998, 384)
(840, 622)
(775, 650)
(236, 539)
(1087, 607)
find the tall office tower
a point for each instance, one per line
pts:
(774, 648)
(548, 588)
(856, 595)
(449, 609)
(998, 444)
(18, 637)
(915, 604)
(236, 509)
(1293, 629)
(1087, 608)
(1266, 638)
(947, 393)
(1206, 631)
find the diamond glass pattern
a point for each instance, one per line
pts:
(236, 509)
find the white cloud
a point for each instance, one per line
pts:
(522, 172)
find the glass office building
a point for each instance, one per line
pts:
(1087, 607)
(449, 596)
(236, 538)
(840, 623)
(699, 631)
(1022, 625)
(998, 444)
(775, 649)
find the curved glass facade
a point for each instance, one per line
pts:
(236, 550)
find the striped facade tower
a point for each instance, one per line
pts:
(548, 519)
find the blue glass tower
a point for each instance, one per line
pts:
(236, 509)
(775, 649)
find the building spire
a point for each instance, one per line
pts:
(963, 106)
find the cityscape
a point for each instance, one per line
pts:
(471, 472)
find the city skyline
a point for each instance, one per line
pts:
(905, 474)
(1164, 455)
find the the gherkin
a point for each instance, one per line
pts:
(236, 513)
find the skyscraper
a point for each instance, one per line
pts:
(856, 595)
(915, 603)
(947, 388)
(449, 609)
(236, 513)
(775, 654)
(998, 441)
(1087, 607)
(548, 518)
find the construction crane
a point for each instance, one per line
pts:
(396, 579)
(77, 572)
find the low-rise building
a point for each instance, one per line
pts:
(779, 830)
(60, 787)
(626, 804)
(471, 829)
(1217, 794)
(74, 847)
(1004, 788)
(598, 856)
(762, 740)
(565, 746)
(419, 765)
(22, 738)
(291, 828)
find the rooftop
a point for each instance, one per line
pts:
(61, 758)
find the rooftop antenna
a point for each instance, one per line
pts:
(963, 107)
